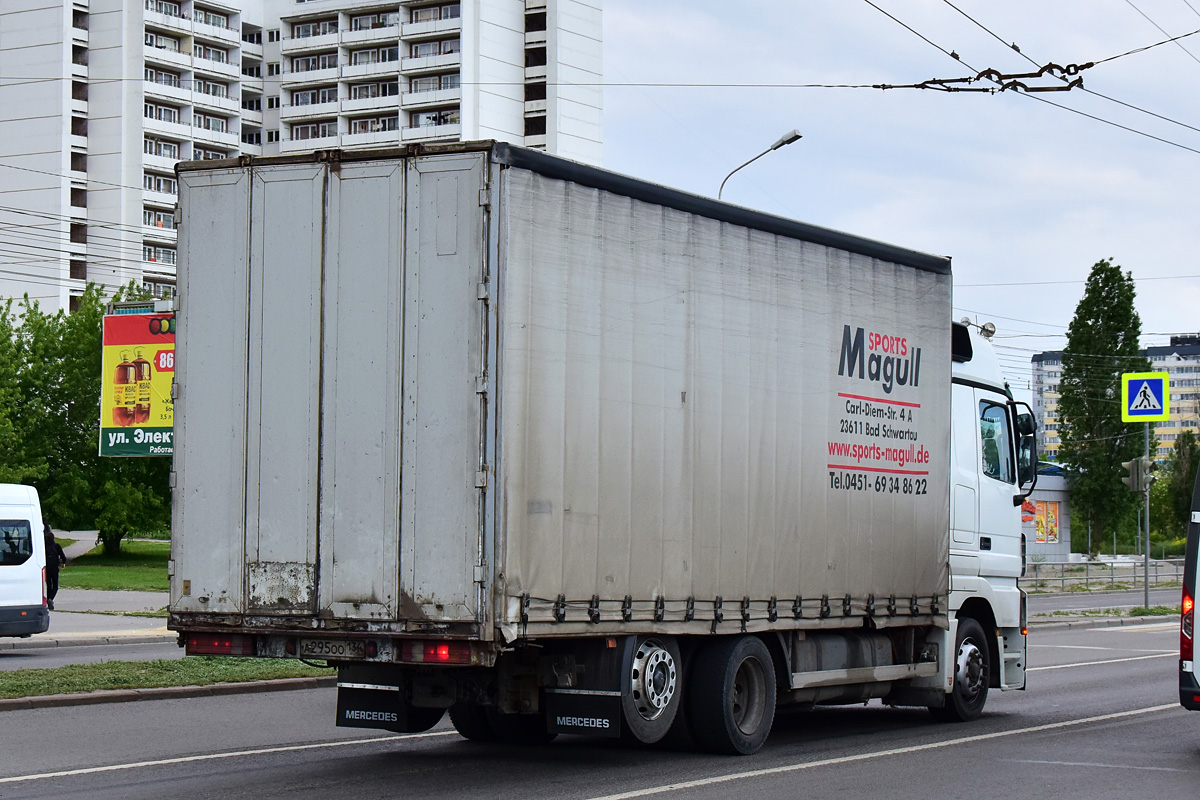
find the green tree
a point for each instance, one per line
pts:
(18, 463)
(60, 383)
(1102, 343)
(1181, 481)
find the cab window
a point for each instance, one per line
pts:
(16, 542)
(996, 442)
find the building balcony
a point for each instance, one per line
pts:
(329, 75)
(161, 91)
(430, 29)
(159, 236)
(167, 24)
(226, 37)
(306, 44)
(535, 37)
(77, 142)
(251, 50)
(535, 107)
(252, 85)
(535, 73)
(159, 163)
(430, 133)
(431, 63)
(371, 139)
(378, 69)
(171, 59)
(538, 141)
(413, 101)
(208, 102)
(159, 198)
(389, 103)
(386, 34)
(170, 130)
(79, 71)
(79, 36)
(79, 107)
(224, 70)
(226, 140)
(302, 145)
(252, 117)
(299, 112)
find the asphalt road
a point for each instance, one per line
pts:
(49, 657)
(1099, 721)
(1074, 601)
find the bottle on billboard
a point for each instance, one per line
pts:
(124, 391)
(142, 372)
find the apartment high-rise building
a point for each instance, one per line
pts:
(1180, 358)
(100, 98)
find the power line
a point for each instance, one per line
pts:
(1160, 27)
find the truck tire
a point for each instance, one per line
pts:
(471, 721)
(522, 729)
(731, 695)
(972, 675)
(651, 693)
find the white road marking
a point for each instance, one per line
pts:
(1108, 766)
(1108, 649)
(1171, 654)
(758, 773)
(212, 756)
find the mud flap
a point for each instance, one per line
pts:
(371, 706)
(583, 711)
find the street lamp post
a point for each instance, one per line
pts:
(786, 139)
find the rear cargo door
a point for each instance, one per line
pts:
(444, 472)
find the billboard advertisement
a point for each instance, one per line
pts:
(136, 410)
(1047, 522)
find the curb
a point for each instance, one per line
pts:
(41, 644)
(1099, 622)
(164, 693)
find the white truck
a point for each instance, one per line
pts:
(561, 451)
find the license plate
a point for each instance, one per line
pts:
(332, 648)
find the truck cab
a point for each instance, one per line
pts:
(992, 469)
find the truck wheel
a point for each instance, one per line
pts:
(650, 696)
(522, 729)
(731, 695)
(471, 721)
(972, 675)
(420, 720)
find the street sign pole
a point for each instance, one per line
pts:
(1146, 481)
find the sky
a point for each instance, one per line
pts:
(1024, 196)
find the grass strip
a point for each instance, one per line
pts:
(141, 566)
(187, 671)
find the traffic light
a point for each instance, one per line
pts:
(1148, 468)
(1134, 479)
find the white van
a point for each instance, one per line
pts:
(23, 608)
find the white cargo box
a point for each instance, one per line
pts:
(479, 390)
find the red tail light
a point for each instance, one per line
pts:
(436, 652)
(1185, 627)
(45, 598)
(218, 644)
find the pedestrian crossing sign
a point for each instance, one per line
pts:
(1144, 396)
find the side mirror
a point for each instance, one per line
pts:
(1026, 427)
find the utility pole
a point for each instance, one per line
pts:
(1146, 481)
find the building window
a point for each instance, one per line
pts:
(210, 18)
(78, 197)
(79, 19)
(425, 119)
(374, 124)
(159, 289)
(159, 255)
(204, 154)
(163, 7)
(431, 13)
(252, 138)
(273, 35)
(252, 104)
(426, 49)
(160, 112)
(162, 77)
(310, 63)
(535, 91)
(160, 147)
(79, 90)
(304, 30)
(210, 53)
(79, 269)
(272, 102)
(79, 55)
(160, 42)
(535, 22)
(272, 137)
(431, 83)
(210, 123)
(154, 218)
(73, 303)
(314, 130)
(79, 162)
(308, 97)
(252, 70)
(383, 19)
(79, 233)
(252, 37)
(79, 126)
(159, 183)
(535, 126)
(535, 57)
